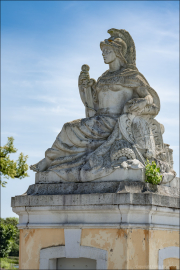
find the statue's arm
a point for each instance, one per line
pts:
(144, 99)
(143, 92)
(138, 104)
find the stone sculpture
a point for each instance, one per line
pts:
(119, 132)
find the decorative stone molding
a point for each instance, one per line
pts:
(135, 206)
(98, 216)
(72, 249)
(169, 252)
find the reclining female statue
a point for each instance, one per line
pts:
(119, 130)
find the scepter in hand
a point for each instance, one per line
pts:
(85, 84)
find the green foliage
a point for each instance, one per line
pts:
(9, 263)
(7, 235)
(10, 220)
(15, 244)
(11, 168)
(152, 173)
(15, 248)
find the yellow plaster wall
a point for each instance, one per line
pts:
(130, 248)
(138, 249)
(127, 248)
(159, 239)
(171, 262)
(31, 242)
(112, 240)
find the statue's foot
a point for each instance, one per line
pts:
(34, 168)
(41, 166)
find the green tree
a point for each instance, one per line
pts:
(10, 220)
(15, 243)
(11, 168)
(7, 235)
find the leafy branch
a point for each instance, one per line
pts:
(10, 168)
(152, 173)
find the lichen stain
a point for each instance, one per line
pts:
(28, 235)
(121, 233)
(146, 234)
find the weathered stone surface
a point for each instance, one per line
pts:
(101, 187)
(119, 132)
(96, 199)
(104, 193)
(174, 183)
(119, 174)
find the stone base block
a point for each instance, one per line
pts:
(103, 221)
(101, 187)
(120, 174)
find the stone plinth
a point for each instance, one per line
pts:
(117, 225)
(120, 174)
(101, 187)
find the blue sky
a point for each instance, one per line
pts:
(43, 46)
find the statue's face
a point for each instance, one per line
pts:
(108, 54)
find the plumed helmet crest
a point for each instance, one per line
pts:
(130, 54)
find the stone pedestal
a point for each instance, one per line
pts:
(90, 207)
(120, 174)
(102, 225)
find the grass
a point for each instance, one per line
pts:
(9, 263)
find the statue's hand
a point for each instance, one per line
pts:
(83, 79)
(135, 105)
(92, 82)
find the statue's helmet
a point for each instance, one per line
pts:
(122, 44)
(124, 48)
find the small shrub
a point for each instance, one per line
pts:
(7, 263)
(7, 233)
(152, 173)
(14, 240)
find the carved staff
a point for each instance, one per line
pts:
(86, 83)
